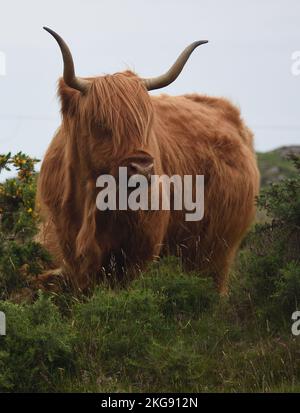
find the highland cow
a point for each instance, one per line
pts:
(112, 121)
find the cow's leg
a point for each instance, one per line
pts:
(50, 280)
(77, 274)
(223, 265)
(210, 261)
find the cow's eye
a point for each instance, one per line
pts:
(105, 134)
(101, 132)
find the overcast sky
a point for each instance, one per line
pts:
(248, 58)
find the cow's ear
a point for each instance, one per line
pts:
(68, 97)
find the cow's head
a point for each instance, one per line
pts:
(108, 119)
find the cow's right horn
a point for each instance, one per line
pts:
(69, 71)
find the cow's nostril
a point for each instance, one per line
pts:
(133, 169)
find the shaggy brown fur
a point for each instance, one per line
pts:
(191, 134)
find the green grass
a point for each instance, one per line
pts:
(168, 332)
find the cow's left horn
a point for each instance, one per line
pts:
(174, 71)
(69, 71)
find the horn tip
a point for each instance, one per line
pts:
(49, 30)
(199, 42)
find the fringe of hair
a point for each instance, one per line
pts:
(114, 103)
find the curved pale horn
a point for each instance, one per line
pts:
(175, 70)
(69, 71)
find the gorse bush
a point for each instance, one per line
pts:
(169, 330)
(17, 197)
(19, 262)
(20, 256)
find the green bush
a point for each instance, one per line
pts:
(287, 295)
(120, 326)
(268, 273)
(184, 295)
(37, 349)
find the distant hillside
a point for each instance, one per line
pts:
(275, 166)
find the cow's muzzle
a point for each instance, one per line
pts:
(145, 169)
